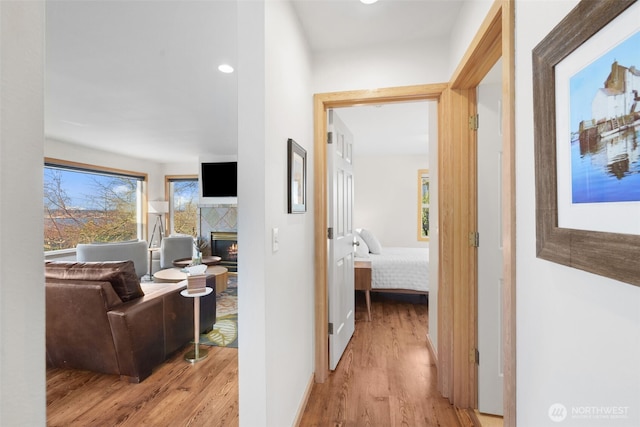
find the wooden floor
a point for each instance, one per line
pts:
(176, 394)
(385, 378)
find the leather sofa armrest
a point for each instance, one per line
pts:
(78, 332)
(138, 334)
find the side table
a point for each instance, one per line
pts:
(363, 281)
(176, 275)
(196, 354)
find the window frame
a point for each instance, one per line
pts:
(141, 215)
(168, 180)
(423, 174)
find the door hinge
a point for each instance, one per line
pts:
(474, 239)
(474, 122)
(474, 356)
(330, 233)
(330, 328)
(329, 137)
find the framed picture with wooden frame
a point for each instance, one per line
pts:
(297, 177)
(584, 155)
(423, 204)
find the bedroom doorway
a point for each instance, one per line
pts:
(457, 372)
(323, 103)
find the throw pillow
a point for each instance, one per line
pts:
(374, 244)
(362, 250)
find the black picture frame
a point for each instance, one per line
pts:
(296, 177)
(612, 255)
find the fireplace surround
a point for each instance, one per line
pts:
(225, 245)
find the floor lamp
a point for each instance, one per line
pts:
(158, 207)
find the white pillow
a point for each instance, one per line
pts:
(362, 250)
(374, 245)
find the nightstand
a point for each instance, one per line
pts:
(363, 281)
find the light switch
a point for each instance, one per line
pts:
(274, 238)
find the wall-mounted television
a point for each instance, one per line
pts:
(219, 182)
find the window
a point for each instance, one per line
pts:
(423, 204)
(84, 204)
(183, 204)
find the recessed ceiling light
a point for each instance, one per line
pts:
(226, 68)
(368, 1)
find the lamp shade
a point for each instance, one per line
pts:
(158, 207)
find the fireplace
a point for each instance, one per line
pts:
(225, 245)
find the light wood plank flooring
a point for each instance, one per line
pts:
(176, 394)
(386, 378)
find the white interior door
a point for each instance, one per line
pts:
(490, 369)
(341, 237)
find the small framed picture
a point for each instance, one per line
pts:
(297, 177)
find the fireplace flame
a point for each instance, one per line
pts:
(233, 250)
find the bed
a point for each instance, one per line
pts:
(394, 269)
(400, 269)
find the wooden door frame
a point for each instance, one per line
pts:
(495, 39)
(322, 103)
(457, 302)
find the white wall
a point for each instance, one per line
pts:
(276, 293)
(252, 228)
(190, 168)
(22, 331)
(471, 15)
(578, 334)
(290, 271)
(383, 66)
(386, 198)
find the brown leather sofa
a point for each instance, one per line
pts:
(100, 318)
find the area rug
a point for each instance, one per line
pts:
(225, 331)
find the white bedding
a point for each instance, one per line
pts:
(400, 268)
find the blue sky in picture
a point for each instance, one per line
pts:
(584, 85)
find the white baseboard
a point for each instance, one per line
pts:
(432, 350)
(305, 400)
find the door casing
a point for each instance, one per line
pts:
(457, 318)
(322, 103)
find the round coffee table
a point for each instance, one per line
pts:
(175, 275)
(186, 262)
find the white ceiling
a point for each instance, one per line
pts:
(348, 24)
(140, 77)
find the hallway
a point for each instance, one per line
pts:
(386, 376)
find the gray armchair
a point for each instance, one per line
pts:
(175, 247)
(134, 250)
